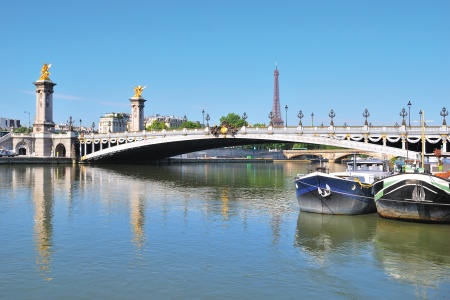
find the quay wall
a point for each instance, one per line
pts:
(36, 160)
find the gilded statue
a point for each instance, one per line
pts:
(45, 72)
(138, 91)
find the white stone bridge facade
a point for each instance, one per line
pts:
(383, 142)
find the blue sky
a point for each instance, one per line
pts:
(220, 56)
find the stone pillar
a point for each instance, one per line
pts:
(43, 120)
(43, 125)
(137, 114)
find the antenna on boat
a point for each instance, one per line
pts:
(422, 123)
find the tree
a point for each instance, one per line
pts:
(259, 125)
(156, 125)
(190, 125)
(233, 119)
(22, 130)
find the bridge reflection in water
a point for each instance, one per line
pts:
(154, 145)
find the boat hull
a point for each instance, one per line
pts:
(346, 197)
(413, 197)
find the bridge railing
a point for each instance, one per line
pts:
(5, 138)
(320, 130)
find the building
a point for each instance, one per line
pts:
(170, 121)
(114, 122)
(6, 123)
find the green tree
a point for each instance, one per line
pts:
(191, 125)
(259, 125)
(232, 119)
(156, 125)
(22, 130)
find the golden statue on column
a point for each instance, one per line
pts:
(45, 72)
(138, 91)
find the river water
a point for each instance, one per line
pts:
(201, 231)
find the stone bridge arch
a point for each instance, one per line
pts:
(151, 146)
(335, 154)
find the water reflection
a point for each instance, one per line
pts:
(43, 220)
(137, 218)
(413, 253)
(320, 235)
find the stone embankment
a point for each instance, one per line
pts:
(36, 160)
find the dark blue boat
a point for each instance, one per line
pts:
(346, 193)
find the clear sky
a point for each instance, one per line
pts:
(220, 56)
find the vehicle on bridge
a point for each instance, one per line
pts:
(6, 152)
(341, 193)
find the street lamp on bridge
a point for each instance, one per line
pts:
(244, 117)
(207, 120)
(403, 114)
(409, 113)
(203, 113)
(444, 113)
(80, 126)
(70, 123)
(300, 116)
(271, 118)
(27, 112)
(312, 119)
(92, 127)
(366, 114)
(286, 108)
(331, 115)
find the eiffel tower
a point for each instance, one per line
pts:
(277, 121)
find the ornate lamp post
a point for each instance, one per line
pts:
(70, 123)
(409, 113)
(331, 115)
(207, 120)
(422, 124)
(403, 114)
(244, 117)
(444, 113)
(27, 112)
(312, 119)
(366, 114)
(300, 116)
(286, 108)
(271, 118)
(92, 127)
(203, 113)
(80, 126)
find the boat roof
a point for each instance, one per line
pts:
(368, 162)
(366, 177)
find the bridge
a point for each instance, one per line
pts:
(143, 146)
(139, 145)
(332, 155)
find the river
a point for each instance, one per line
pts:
(201, 231)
